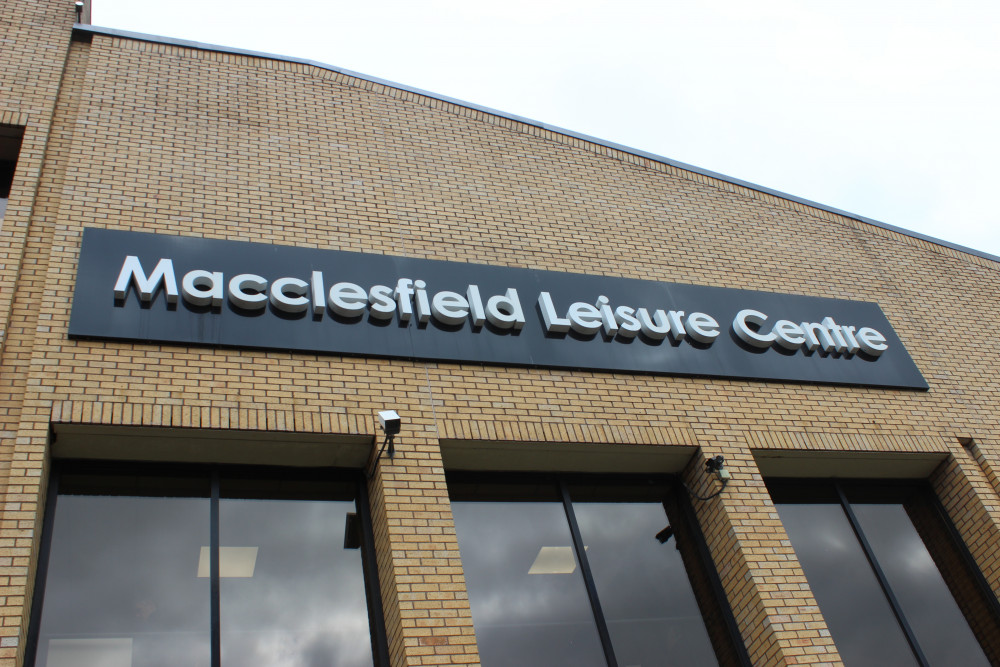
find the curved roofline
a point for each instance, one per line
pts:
(125, 34)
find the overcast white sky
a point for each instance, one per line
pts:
(884, 109)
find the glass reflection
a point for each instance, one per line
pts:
(859, 617)
(121, 586)
(294, 595)
(529, 604)
(645, 593)
(941, 630)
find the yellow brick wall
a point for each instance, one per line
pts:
(35, 37)
(172, 140)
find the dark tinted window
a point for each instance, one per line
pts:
(10, 148)
(291, 593)
(526, 588)
(121, 587)
(571, 571)
(129, 579)
(856, 610)
(876, 576)
(643, 586)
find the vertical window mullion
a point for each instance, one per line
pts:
(711, 574)
(373, 588)
(45, 548)
(214, 578)
(588, 578)
(979, 581)
(880, 575)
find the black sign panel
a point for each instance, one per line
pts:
(226, 293)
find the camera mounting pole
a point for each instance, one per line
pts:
(391, 424)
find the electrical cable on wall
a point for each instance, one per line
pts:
(715, 466)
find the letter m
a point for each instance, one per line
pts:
(146, 287)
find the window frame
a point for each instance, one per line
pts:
(641, 487)
(213, 474)
(836, 491)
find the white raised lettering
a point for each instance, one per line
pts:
(449, 308)
(628, 325)
(813, 331)
(788, 335)
(318, 293)
(423, 304)
(504, 310)
(655, 327)
(840, 345)
(252, 300)
(287, 295)
(553, 323)
(677, 331)
(382, 303)
(476, 311)
(871, 341)
(203, 288)
(132, 273)
(702, 327)
(741, 325)
(347, 299)
(403, 292)
(584, 318)
(852, 343)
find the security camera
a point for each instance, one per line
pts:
(389, 421)
(714, 464)
(717, 465)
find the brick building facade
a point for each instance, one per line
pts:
(138, 133)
